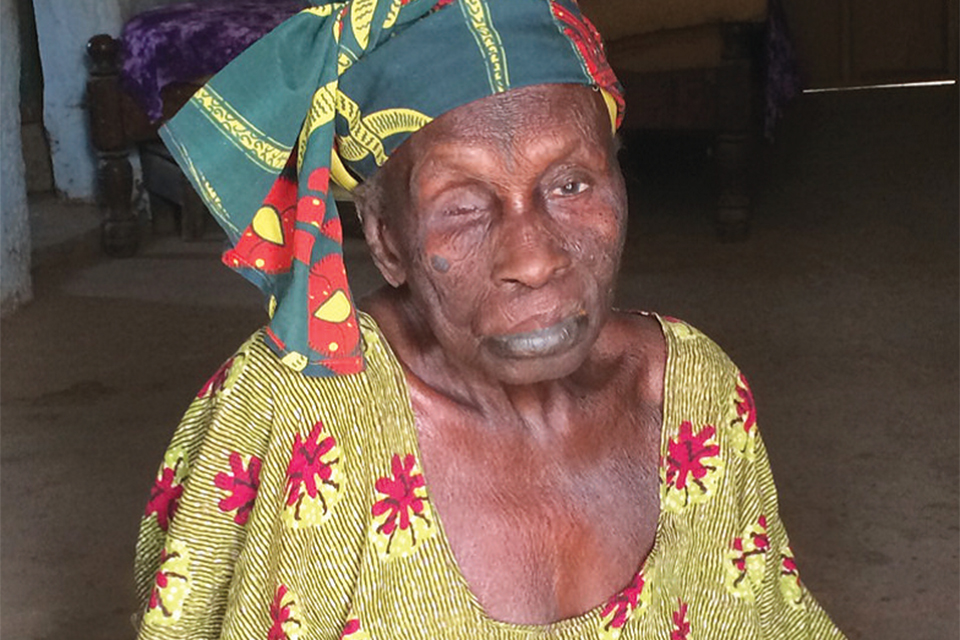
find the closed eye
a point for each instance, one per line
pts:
(461, 211)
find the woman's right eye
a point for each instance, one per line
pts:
(460, 210)
(462, 203)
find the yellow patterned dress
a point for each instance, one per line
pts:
(290, 508)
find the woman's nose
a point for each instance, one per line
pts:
(528, 252)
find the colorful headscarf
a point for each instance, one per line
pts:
(331, 93)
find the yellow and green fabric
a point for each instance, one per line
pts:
(330, 94)
(291, 507)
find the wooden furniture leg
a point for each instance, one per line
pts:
(735, 119)
(174, 203)
(119, 229)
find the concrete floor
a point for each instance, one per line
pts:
(842, 309)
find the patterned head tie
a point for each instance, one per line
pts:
(330, 94)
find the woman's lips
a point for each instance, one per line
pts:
(541, 342)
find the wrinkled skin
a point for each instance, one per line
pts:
(537, 406)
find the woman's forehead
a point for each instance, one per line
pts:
(500, 124)
(517, 117)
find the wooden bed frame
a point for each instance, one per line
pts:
(117, 125)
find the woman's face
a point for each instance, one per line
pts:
(508, 219)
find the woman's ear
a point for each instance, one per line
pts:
(382, 241)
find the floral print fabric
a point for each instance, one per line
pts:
(295, 508)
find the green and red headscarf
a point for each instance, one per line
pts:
(329, 95)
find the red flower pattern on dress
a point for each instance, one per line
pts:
(623, 604)
(746, 409)
(681, 625)
(165, 495)
(353, 630)
(742, 430)
(746, 556)
(242, 484)
(691, 468)
(162, 580)
(760, 544)
(790, 567)
(401, 502)
(282, 615)
(216, 381)
(308, 469)
(350, 628)
(791, 588)
(686, 453)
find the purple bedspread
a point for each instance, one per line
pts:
(183, 42)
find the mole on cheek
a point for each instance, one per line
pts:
(440, 264)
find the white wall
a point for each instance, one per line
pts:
(14, 219)
(63, 27)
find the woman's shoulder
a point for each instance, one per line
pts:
(678, 339)
(256, 369)
(706, 389)
(698, 376)
(690, 345)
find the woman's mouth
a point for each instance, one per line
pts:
(541, 342)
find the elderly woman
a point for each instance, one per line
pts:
(490, 451)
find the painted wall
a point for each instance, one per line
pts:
(14, 218)
(63, 27)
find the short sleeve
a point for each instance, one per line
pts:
(204, 495)
(761, 558)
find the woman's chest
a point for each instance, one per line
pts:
(542, 534)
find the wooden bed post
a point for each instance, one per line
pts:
(735, 120)
(119, 229)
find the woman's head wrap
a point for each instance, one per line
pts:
(331, 93)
